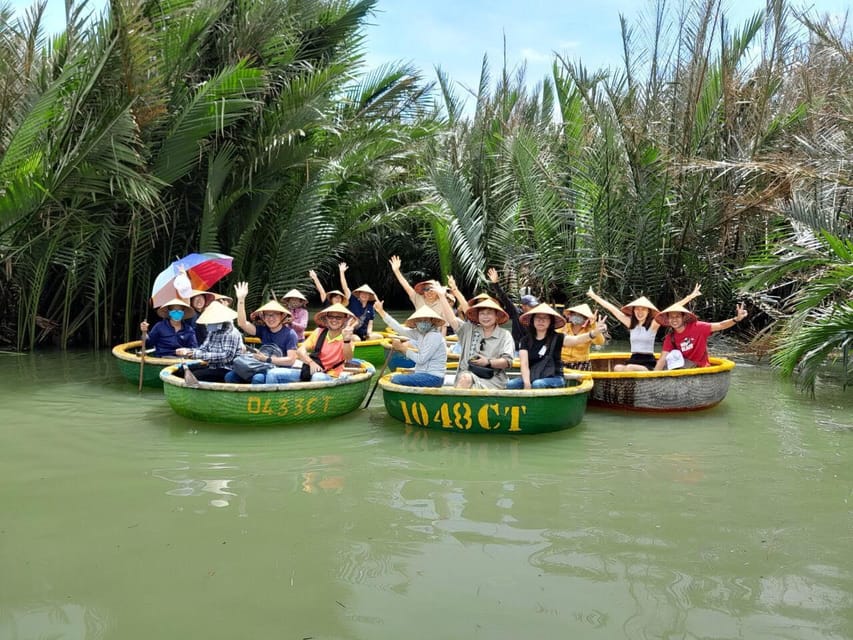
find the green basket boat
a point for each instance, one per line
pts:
(488, 411)
(267, 404)
(129, 360)
(370, 350)
(677, 390)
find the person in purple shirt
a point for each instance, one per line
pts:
(174, 331)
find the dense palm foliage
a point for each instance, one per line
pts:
(167, 127)
(251, 128)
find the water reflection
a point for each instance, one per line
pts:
(52, 620)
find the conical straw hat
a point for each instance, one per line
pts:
(582, 309)
(479, 298)
(320, 316)
(335, 292)
(216, 312)
(294, 293)
(425, 313)
(474, 312)
(663, 319)
(542, 308)
(642, 301)
(272, 305)
(366, 289)
(163, 311)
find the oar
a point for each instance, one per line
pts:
(381, 371)
(142, 357)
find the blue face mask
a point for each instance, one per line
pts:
(176, 314)
(423, 326)
(216, 326)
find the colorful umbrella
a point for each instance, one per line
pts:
(195, 271)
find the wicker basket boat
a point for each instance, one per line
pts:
(678, 390)
(370, 350)
(488, 411)
(274, 404)
(129, 360)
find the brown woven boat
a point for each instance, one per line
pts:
(678, 390)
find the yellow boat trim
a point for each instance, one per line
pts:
(718, 365)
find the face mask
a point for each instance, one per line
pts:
(176, 314)
(423, 326)
(576, 318)
(217, 326)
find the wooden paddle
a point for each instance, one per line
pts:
(381, 371)
(142, 357)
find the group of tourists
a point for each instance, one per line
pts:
(545, 341)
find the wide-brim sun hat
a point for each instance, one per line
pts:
(425, 313)
(642, 301)
(527, 317)
(294, 294)
(163, 311)
(662, 318)
(366, 289)
(581, 309)
(419, 287)
(320, 316)
(474, 312)
(272, 305)
(215, 313)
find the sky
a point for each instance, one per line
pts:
(456, 34)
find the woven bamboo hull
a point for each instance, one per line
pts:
(486, 411)
(279, 404)
(129, 361)
(371, 351)
(678, 390)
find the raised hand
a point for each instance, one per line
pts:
(312, 274)
(590, 293)
(396, 263)
(493, 275)
(451, 283)
(741, 312)
(601, 324)
(242, 290)
(697, 291)
(342, 267)
(378, 307)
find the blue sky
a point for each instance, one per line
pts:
(455, 34)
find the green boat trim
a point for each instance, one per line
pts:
(267, 404)
(370, 350)
(129, 360)
(657, 391)
(489, 411)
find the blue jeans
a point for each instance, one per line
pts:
(542, 383)
(277, 375)
(417, 380)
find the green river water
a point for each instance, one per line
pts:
(123, 520)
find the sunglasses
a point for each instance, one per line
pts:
(335, 317)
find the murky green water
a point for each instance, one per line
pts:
(123, 520)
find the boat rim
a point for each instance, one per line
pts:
(585, 386)
(718, 365)
(168, 377)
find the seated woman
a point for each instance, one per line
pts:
(686, 342)
(639, 318)
(325, 351)
(221, 346)
(583, 334)
(269, 324)
(487, 348)
(335, 296)
(199, 301)
(296, 303)
(174, 331)
(540, 350)
(425, 348)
